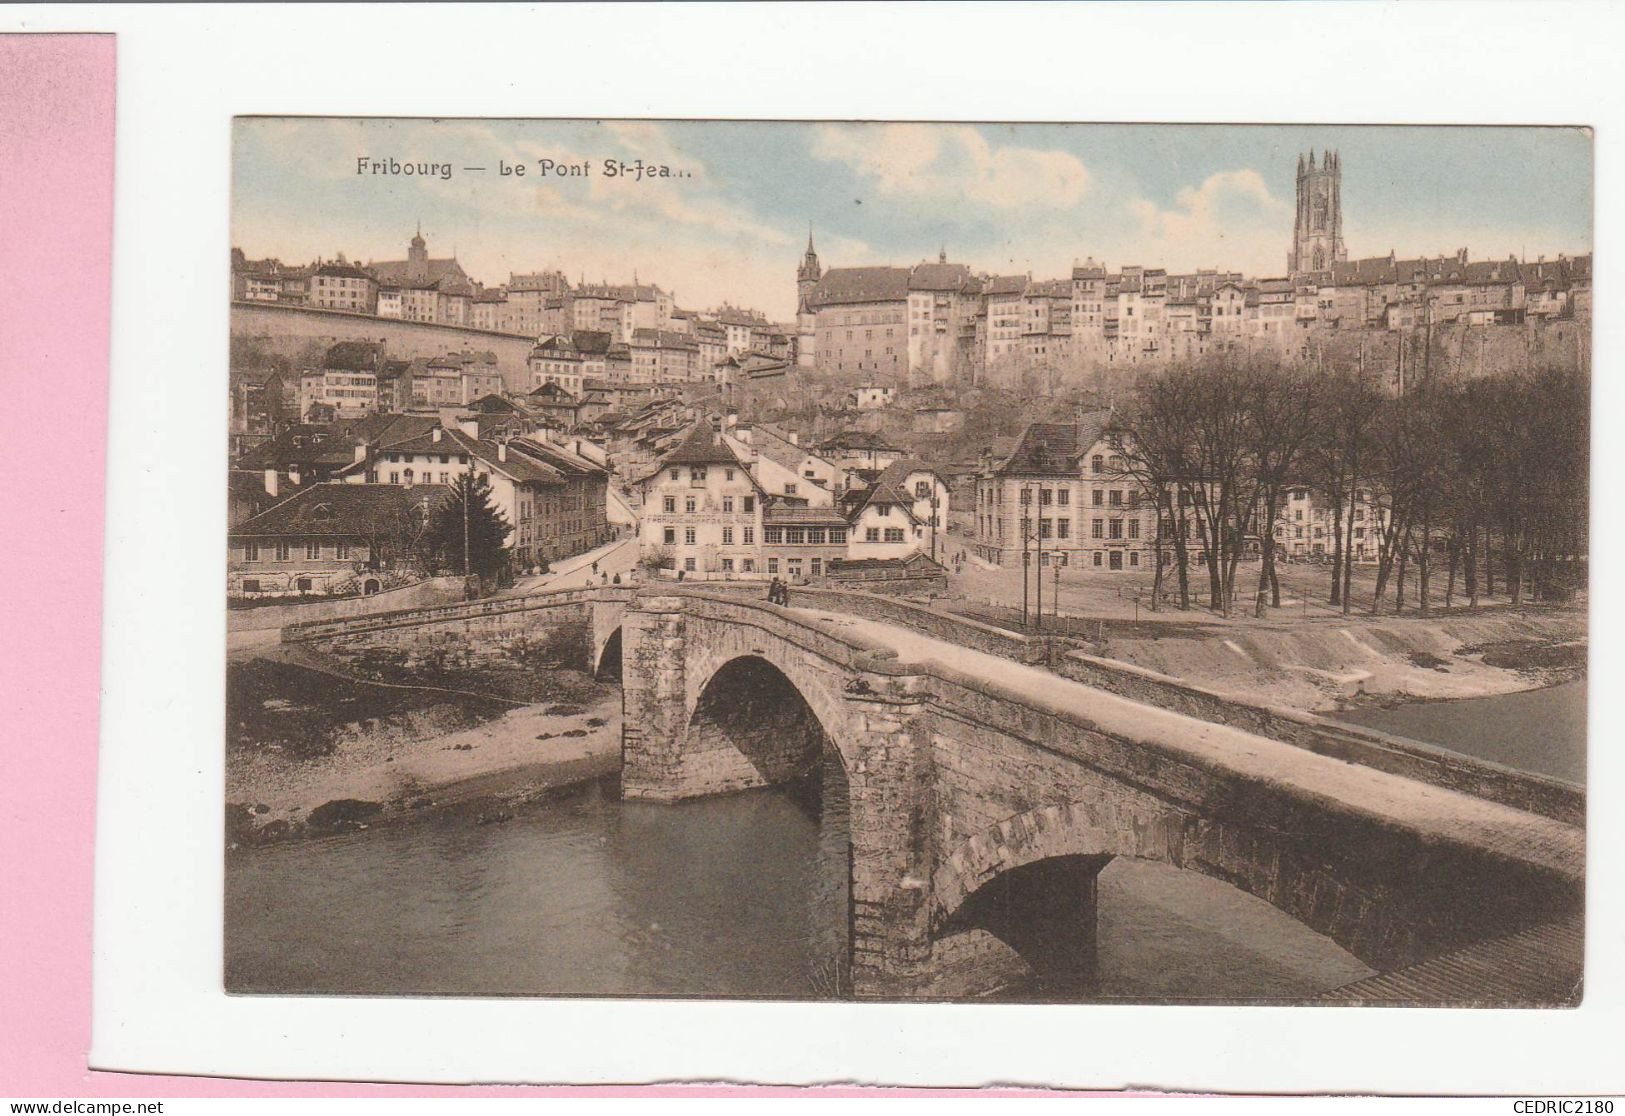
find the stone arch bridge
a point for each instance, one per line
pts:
(974, 789)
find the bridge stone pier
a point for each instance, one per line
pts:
(985, 797)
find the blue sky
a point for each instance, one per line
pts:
(1002, 198)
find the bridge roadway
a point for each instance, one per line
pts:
(1435, 812)
(980, 786)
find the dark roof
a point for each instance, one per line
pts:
(701, 447)
(1005, 284)
(862, 284)
(1053, 447)
(938, 277)
(341, 271)
(342, 509)
(523, 467)
(353, 356)
(592, 341)
(440, 275)
(779, 514)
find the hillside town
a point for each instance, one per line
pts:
(899, 433)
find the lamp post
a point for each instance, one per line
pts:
(1026, 559)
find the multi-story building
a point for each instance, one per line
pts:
(421, 289)
(664, 356)
(556, 360)
(533, 304)
(330, 538)
(702, 508)
(801, 542)
(944, 302)
(341, 286)
(861, 321)
(1064, 495)
(1317, 231)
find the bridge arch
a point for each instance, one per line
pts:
(606, 660)
(751, 723)
(1314, 894)
(804, 681)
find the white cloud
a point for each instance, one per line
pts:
(1227, 221)
(933, 160)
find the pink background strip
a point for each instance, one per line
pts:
(56, 209)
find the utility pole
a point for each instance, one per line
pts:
(1026, 559)
(468, 494)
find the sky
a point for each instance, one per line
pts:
(731, 223)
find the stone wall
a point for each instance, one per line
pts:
(290, 329)
(1368, 747)
(431, 591)
(563, 629)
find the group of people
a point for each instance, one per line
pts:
(778, 592)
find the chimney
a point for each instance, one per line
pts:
(271, 480)
(434, 435)
(471, 427)
(293, 475)
(502, 450)
(360, 452)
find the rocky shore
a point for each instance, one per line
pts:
(312, 754)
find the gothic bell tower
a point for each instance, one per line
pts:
(807, 276)
(1317, 234)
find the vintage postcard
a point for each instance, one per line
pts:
(907, 561)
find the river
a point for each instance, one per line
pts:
(737, 896)
(1542, 731)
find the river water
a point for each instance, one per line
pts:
(1542, 731)
(738, 896)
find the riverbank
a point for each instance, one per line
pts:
(312, 754)
(1332, 665)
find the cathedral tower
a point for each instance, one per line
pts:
(807, 276)
(1317, 234)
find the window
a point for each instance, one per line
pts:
(772, 565)
(688, 565)
(728, 503)
(1045, 527)
(750, 536)
(394, 476)
(727, 565)
(1116, 529)
(669, 505)
(251, 585)
(815, 535)
(671, 536)
(1134, 528)
(1117, 560)
(251, 552)
(1097, 497)
(1026, 497)
(313, 551)
(688, 536)
(1297, 514)
(281, 552)
(750, 565)
(1134, 558)
(1063, 496)
(689, 505)
(304, 584)
(1046, 496)
(871, 534)
(1063, 528)
(922, 489)
(750, 505)
(727, 474)
(1097, 464)
(1116, 499)
(698, 473)
(789, 488)
(894, 534)
(1096, 556)
(836, 535)
(817, 566)
(795, 536)
(1097, 528)
(676, 474)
